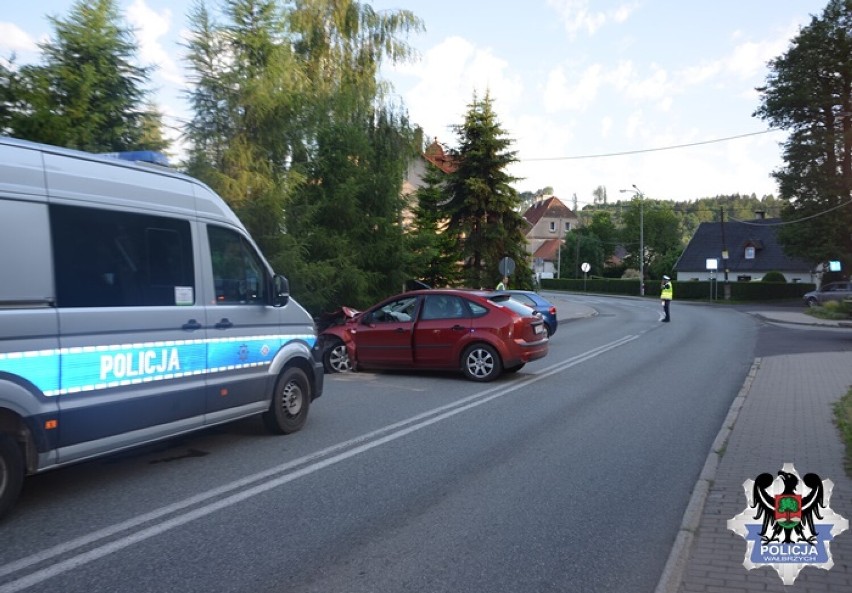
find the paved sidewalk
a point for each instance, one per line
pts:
(783, 414)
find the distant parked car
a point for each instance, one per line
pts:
(536, 302)
(437, 329)
(833, 291)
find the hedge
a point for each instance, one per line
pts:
(740, 291)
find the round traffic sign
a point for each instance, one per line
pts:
(506, 266)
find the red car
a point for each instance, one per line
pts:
(437, 329)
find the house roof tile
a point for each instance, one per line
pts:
(552, 207)
(760, 234)
(548, 250)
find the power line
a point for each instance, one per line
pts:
(644, 150)
(798, 220)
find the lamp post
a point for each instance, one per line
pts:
(638, 193)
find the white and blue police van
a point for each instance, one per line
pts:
(134, 307)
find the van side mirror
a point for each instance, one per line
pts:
(280, 291)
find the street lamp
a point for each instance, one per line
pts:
(637, 192)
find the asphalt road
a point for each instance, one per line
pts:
(571, 475)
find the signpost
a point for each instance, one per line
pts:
(712, 266)
(585, 267)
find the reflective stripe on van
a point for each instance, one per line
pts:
(73, 370)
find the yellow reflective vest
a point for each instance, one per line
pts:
(667, 293)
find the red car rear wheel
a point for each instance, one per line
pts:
(481, 362)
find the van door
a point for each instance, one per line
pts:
(244, 330)
(133, 357)
(29, 346)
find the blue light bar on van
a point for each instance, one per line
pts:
(140, 156)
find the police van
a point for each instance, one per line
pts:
(134, 306)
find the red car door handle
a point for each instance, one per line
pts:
(458, 328)
(400, 330)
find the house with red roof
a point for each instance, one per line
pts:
(548, 219)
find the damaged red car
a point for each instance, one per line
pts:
(436, 329)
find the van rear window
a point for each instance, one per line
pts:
(105, 258)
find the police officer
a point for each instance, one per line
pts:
(666, 294)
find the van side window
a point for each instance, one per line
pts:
(106, 258)
(239, 276)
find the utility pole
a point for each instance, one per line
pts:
(724, 246)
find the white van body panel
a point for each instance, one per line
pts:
(134, 306)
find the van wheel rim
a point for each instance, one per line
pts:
(292, 399)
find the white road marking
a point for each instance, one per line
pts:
(306, 465)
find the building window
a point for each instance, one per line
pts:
(749, 252)
(552, 227)
(567, 226)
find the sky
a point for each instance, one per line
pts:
(657, 95)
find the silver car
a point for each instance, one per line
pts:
(833, 291)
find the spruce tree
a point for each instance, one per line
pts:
(432, 258)
(88, 93)
(484, 219)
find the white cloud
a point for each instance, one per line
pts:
(448, 75)
(559, 95)
(13, 39)
(578, 16)
(150, 27)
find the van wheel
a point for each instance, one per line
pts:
(481, 362)
(11, 472)
(288, 411)
(335, 358)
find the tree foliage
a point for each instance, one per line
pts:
(88, 93)
(484, 220)
(292, 128)
(660, 235)
(581, 246)
(809, 92)
(430, 250)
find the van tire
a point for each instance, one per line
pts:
(291, 399)
(11, 472)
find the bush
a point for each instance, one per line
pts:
(773, 277)
(740, 291)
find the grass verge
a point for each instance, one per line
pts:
(831, 310)
(843, 419)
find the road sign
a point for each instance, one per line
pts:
(507, 266)
(585, 267)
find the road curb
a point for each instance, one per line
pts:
(675, 566)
